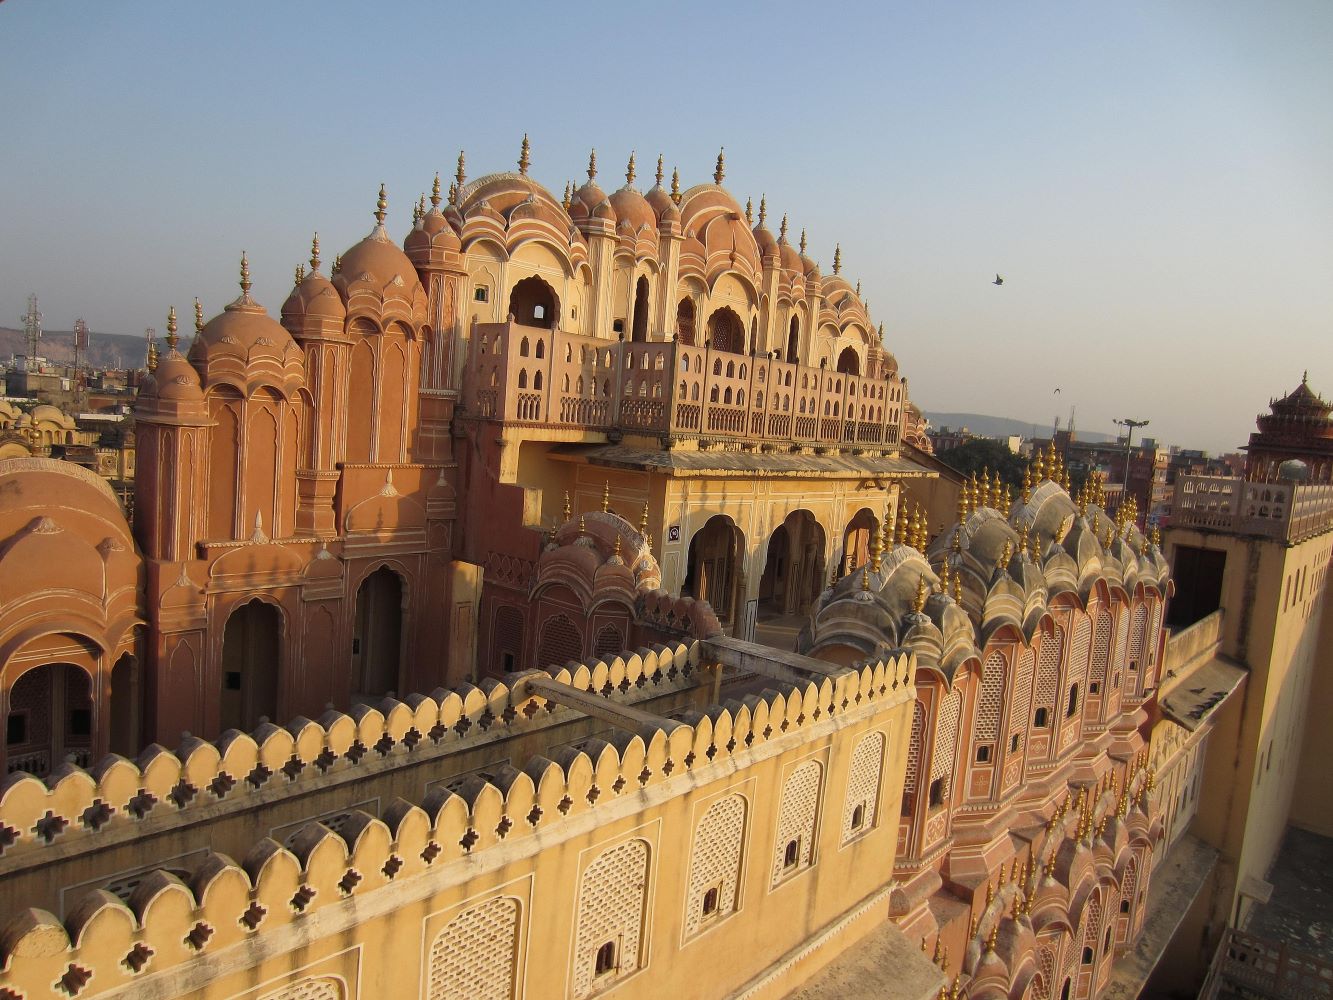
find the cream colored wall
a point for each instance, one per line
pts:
(374, 933)
(1314, 811)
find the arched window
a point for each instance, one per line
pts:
(794, 341)
(565, 382)
(533, 302)
(537, 380)
(726, 396)
(522, 378)
(639, 323)
(523, 348)
(541, 349)
(685, 321)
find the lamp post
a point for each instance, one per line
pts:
(1130, 425)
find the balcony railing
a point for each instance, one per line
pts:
(1246, 965)
(1288, 512)
(530, 375)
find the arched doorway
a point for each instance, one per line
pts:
(639, 324)
(377, 637)
(794, 341)
(726, 332)
(126, 721)
(533, 302)
(849, 362)
(714, 572)
(251, 661)
(685, 321)
(50, 719)
(858, 539)
(794, 567)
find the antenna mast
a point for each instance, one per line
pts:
(32, 325)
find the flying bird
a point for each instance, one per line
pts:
(998, 280)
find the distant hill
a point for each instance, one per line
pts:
(1000, 427)
(105, 350)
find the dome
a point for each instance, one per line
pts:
(315, 299)
(175, 379)
(51, 414)
(241, 337)
(430, 239)
(764, 239)
(632, 208)
(791, 260)
(660, 201)
(1293, 470)
(378, 260)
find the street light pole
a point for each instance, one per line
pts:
(1129, 424)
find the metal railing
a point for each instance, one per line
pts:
(1265, 968)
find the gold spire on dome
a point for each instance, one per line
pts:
(1052, 460)
(659, 169)
(997, 492)
(962, 505)
(1065, 481)
(151, 362)
(616, 551)
(525, 156)
(460, 175)
(720, 171)
(643, 520)
(958, 588)
(419, 209)
(630, 172)
(381, 207)
(198, 316)
(606, 497)
(435, 191)
(675, 185)
(583, 527)
(1006, 555)
(299, 275)
(337, 264)
(944, 577)
(749, 211)
(1027, 485)
(1023, 538)
(1008, 501)
(919, 602)
(172, 339)
(858, 288)
(885, 534)
(865, 578)
(569, 510)
(1036, 547)
(985, 499)
(592, 164)
(782, 230)
(568, 199)
(1156, 537)
(876, 552)
(837, 259)
(763, 209)
(245, 275)
(314, 254)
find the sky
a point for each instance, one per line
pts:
(1153, 179)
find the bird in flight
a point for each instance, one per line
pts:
(998, 280)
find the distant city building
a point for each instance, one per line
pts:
(1297, 428)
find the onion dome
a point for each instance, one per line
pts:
(658, 199)
(314, 307)
(432, 237)
(377, 260)
(597, 552)
(763, 236)
(588, 198)
(791, 259)
(175, 378)
(631, 208)
(241, 338)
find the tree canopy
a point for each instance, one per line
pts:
(980, 453)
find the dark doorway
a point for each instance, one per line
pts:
(50, 719)
(639, 326)
(251, 661)
(685, 322)
(849, 363)
(533, 303)
(858, 539)
(378, 635)
(793, 570)
(713, 573)
(726, 332)
(794, 342)
(1198, 575)
(126, 698)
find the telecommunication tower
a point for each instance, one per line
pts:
(80, 359)
(32, 326)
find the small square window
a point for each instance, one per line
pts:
(1039, 719)
(710, 902)
(231, 680)
(509, 662)
(481, 294)
(859, 817)
(1094, 687)
(1013, 743)
(80, 722)
(983, 753)
(618, 326)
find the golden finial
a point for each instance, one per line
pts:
(592, 164)
(419, 209)
(749, 211)
(958, 588)
(453, 193)
(944, 578)
(337, 264)
(171, 329)
(460, 175)
(659, 169)
(1008, 500)
(993, 938)
(996, 489)
(381, 207)
(1110, 537)
(1038, 467)
(984, 483)
(802, 242)
(720, 171)
(568, 199)
(583, 527)
(1156, 537)
(151, 362)
(524, 156)
(962, 504)
(630, 172)
(956, 543)
(919, 603)
(1027, 485)
(435, 192)
(763, 209)
(245, 275)
(1023, 538)
(972, 927)
(900, 521)
(837, 259)
(1065, 481)
(865, 578)
(616, 551)
(606, 498)
(782, 230)
(922, 531)
(299, 274)
(198, 316)
(938, 953)
(885, 536)
(1036, 547)
(314, 254)
(990, 895)
(876, 552)
(675, 185)
(643, 520)
(1013, 871)
(956, 990)
(1007, 555)
(569, 510)
(924, 945)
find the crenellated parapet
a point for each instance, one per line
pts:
(173, 932)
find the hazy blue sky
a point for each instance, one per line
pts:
(1155, 180)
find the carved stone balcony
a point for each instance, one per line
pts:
(533, 376)
(1287, 512)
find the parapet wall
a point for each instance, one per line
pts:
(175, 936)
(80, 827)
